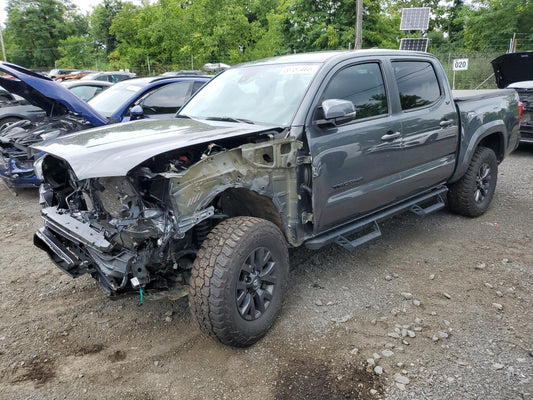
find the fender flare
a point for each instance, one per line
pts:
(466, 153)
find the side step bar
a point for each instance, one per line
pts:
(423, 211)
(420, 205)
(352, 244)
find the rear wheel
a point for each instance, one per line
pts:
(472, 194)
(238, 280)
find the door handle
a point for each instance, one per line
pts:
(391, 136)
(446, 122)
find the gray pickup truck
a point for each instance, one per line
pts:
(306, 149)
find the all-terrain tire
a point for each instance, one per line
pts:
(238, 280)
(472, 194)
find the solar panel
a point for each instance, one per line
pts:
(414, 44)
(415, 19)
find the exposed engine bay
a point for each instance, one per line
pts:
(143, 230)
(15, 142)
(25, 133)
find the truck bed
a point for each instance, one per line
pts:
(464, 95)
(479, 108)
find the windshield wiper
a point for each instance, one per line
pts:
(230, 119)
(183, 116)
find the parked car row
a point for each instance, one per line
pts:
(107, 76)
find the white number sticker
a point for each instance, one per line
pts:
(460, 64)
(299, 70)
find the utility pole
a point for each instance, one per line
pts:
(359, 25)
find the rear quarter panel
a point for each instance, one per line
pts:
(483, 113)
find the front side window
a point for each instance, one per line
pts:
(417, 83)
(168, 99)
(363, 85)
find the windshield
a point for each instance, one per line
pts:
(264, 94)
(110, 101)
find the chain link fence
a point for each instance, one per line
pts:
(479, 75)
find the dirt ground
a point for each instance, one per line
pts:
(437, 308)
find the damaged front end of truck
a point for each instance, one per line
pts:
(142, 230)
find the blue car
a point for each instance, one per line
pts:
(157, 97)
(152, 97)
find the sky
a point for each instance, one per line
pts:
(83, 5)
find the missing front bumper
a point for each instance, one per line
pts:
(77, 249)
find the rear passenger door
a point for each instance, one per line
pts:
(428, 124)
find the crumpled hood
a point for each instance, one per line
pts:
(43, 92)
(116, 149)
(513, 67)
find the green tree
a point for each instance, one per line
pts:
(92, 50)
(456, 22)
(34, 29)
(77, 52)
(492, 23)
(184, 35)
(150, 33)
(101, 20)
(324, 24)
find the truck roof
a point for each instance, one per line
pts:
(324, 56)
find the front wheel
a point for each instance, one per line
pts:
(472, 194)
(238, 280)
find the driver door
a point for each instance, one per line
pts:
(355, 164)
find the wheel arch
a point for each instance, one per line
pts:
(11, 116)
(496, 142)
(245, 202)
(491, 135)
(254, 179)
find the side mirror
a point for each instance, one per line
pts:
(136, 112)
(337, 112)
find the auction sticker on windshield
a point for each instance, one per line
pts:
(299, 70)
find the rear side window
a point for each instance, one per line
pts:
(362, 84)
(417, 83)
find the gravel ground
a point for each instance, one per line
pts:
(437, 308)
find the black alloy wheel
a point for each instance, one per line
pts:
(256, 284)
(483, 183)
